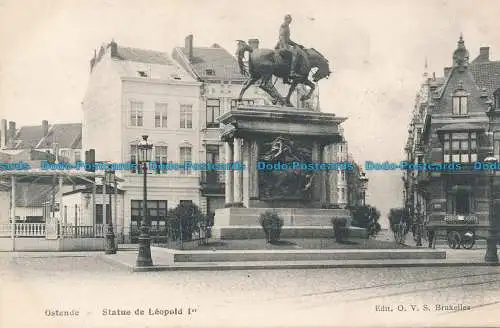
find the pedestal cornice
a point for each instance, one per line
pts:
(269, 120)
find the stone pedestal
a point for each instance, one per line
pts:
(256, 136)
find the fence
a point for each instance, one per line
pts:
(171, 236)
(39, 230)
(96, 231)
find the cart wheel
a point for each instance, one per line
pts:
(454, 239)
(468, 240)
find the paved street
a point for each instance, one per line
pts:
(35, 282)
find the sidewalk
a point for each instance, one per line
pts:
(454, 258)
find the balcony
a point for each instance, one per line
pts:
(212, 182)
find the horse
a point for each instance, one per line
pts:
(264, 63)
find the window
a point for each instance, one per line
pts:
(99, 214)
(142, 73)
(419, 134)
(245, 102)
(185, 156)
(156, 214)
(460, 147)
(496, 102)
(133, 157)
(496, 146)
(213, 111)
(460, 103)
(212, 157)
(136, 113)
(77, 156)
(160, 115)
(186, 117)
(210, 72)
(161, 158)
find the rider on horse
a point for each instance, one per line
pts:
(287, 45)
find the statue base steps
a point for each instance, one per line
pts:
(256, 232)
(243, 223)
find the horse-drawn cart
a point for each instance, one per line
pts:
(458, 231)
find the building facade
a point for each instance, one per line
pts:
(454, 125)
(134, 92)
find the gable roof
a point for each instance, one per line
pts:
(28, 137)
(67, 135)
(213, 63)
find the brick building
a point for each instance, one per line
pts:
(455, 124)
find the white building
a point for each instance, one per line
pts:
(132, 92)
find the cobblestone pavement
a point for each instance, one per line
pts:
(35, 282)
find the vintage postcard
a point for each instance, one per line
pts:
(266, 163)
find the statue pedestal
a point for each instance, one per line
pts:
(261, 137)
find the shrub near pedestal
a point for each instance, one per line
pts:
(271, 224)
(340, 230)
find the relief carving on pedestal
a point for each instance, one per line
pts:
(279, 182)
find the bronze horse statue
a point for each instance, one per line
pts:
(264, 63)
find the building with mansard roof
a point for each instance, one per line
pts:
(454, 125)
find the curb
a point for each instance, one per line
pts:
(304, 266)
(115, 262)
(226, 267)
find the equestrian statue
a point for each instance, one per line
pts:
(289, 61)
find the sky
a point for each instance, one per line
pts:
(378, 49)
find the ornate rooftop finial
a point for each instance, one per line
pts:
(461, 54)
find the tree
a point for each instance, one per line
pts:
(184, 220)
(367, 217)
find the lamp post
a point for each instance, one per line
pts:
(491, 243)
(364, 184)
(110, 248)
(144, 156)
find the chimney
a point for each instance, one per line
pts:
(55, 150)
(447, 71)
(45, 127)
(484, 54)
(253, 43)
(114, 49)
(3, 133)
(12, 130)
(188, 45)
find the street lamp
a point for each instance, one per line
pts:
(491, 245)
(110, 247)
(364, 184)
(144, 156)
